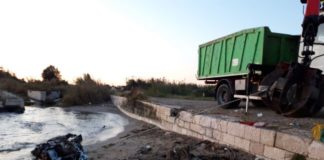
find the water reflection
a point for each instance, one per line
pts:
(20, 133)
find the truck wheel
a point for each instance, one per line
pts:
(258, 103)
(225, 95)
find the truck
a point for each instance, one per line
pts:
(268, 68)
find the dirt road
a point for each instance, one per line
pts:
(297, 126)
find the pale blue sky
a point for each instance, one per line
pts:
(118, 39)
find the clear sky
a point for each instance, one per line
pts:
(118, 39)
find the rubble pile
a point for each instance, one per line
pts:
(66, 147)
(203, 150)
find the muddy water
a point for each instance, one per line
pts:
(19, 133)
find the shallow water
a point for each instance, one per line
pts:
(19, 133)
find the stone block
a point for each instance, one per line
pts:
(196, 119)
(205, 121)
(186, 116)
(209, 139)
(180, 122)
(223, 125)
(167, 125)
(165, 110)
(197, 128)
(189, 133)
(267, 137)
(199, 136)
(252, 133)
(276, 153)
(235, 129)
(183, 131)
(316, 150)
(170, 119)
(216, 124)
(187, 125)
(292, 143)
(209, 132)
(162, 117)
(177, 129)
(256, 148)
(242, 143)
(218, 135)
(228, 139)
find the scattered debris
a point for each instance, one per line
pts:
(146, 149)
(260, 115)
(167, 133)
(175, 112)
(294, 124)
(248, 123)
(318, 132)
(259, 124)
(298, 157)
(255, 124)
(61, 148)
(202, 150)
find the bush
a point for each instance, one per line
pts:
(13, 86)
(164, 88)
(10, 83)
(47, 85)
(86, 91)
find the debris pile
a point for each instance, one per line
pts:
(66, 147)
(201, 151)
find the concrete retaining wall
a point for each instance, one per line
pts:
(265, 143)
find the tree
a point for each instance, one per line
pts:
(51, 73)
(86, 79)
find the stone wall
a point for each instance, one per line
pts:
(265, 143)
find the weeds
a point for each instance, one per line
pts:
(86, 91)
(164, 88)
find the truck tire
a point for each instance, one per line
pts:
(224, 95)
(258, 103)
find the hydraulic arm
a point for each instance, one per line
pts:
(297, 89)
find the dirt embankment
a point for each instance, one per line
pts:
(147, 142)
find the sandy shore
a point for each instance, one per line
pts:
(143, 141)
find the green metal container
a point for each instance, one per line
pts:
(230, 55)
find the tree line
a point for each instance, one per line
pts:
(86, 90)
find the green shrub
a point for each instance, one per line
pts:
(163, 88)
(86, 91)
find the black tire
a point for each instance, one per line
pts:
(224, 95)
(258, 103)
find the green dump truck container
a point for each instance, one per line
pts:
(229, 56)
(225, 62)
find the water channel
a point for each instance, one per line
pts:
(20, 133)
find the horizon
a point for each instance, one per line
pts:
(117, 40)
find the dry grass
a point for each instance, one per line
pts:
(163, 88)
